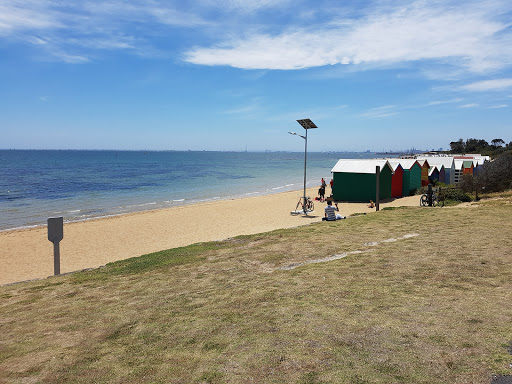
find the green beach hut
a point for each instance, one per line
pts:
(356, 180)
(412, 176)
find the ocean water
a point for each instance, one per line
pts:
(80, 185)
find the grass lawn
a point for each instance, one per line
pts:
(417, 295)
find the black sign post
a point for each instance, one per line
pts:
(55, 235)
(377, 185)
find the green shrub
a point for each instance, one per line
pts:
(496, 175)
(456, 195)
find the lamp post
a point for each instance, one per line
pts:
(306, 124)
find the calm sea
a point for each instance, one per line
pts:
(81, 185)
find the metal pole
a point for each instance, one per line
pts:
(56, 258)
(377, 189)
(305, 160)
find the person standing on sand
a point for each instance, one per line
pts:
(321, 193)
(331, 183)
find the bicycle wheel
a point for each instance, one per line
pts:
(311, 206)
(424, 200)
(299, 205)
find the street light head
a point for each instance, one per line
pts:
(292, 133)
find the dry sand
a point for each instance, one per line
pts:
(27, 254)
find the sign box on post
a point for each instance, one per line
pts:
(55, 235)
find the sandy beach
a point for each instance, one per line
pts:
(27, 254)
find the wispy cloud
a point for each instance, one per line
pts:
(498, 106)
(380, 112)
(242, 110)
(73, 32)
(252, 106)
(472, 105)
(441, 102)
(489, 85)
(246, 5)
(475, 37)
(22, 15)
(471, 37)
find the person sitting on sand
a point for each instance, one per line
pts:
(371, 205)
(330, 212)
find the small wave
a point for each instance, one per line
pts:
(138, 205)
(178, 200)
(22, 227)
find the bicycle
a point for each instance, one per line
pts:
(307, 206)
(435, 199)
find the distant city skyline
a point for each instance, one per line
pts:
(377, 75)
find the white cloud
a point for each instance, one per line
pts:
(489, 85)
(244, 110)
(73, 31)
(469, 37)
(472, 38)
(380, 112)
(440, 102)
(498, 106)
(246, 5)
(20, 15)
(472, 105)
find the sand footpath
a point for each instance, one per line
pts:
(27, 254)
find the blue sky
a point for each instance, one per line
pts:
(236, 74)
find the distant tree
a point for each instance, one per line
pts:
(497, 142)
(457, 146)
(475, 145)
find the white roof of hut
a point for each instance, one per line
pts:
(432, 169)
(360, 165)
(395, 163)
(478, 157)
(407, 163)
(447, 161)
(459, 164)
(422, 162)
(478, 161)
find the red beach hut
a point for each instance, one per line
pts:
(397, 178)
(468, 167)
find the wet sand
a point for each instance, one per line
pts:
(27, 254)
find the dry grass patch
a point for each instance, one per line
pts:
(434, 308)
